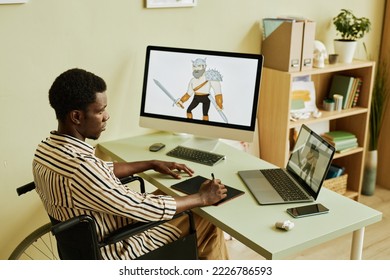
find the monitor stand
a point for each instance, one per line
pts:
(201, 143)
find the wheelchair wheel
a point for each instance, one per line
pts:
(39, 245)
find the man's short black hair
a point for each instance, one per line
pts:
(74, 89)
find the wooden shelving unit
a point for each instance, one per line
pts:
(274, 118)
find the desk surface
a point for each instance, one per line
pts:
(243, 218)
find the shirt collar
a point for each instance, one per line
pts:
(63, 139)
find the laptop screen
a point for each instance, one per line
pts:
(310, 160)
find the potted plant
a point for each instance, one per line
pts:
(380, 96)
(350, 29)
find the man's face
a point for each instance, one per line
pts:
(95, 117)
(198, 71)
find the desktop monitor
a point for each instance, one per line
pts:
(203, 93)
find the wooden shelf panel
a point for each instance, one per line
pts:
(350, 152)
(331, 68)
(327, 116)
(351, 194)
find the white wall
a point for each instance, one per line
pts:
(42, 38)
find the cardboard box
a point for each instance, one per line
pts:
(309, 32)
(282, 48)
(288, 44)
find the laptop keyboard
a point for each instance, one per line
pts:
(195, 155)
(283, 185)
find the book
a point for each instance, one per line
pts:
(357, 92)
(351, 95)
(336, 135)
(344, 143)
(341, 140)
(347, 149)
(192, 185)
(341, 85)
(342, 147)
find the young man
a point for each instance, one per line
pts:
(71, 180)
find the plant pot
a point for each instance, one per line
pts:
(345, 50)
(369, 175)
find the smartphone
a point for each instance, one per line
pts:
(307, 210)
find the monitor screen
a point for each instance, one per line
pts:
(204, 93)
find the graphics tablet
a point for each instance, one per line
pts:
(192, 185)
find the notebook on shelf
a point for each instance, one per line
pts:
(306, 170)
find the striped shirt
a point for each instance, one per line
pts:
(72, 181)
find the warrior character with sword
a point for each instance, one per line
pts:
(201, 86)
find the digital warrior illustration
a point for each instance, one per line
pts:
(204, 88)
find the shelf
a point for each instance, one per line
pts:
(275, 126)
(331, 68)
(352, 194)
(326, 116)
(350, 152)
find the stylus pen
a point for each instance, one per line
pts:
(212, 176)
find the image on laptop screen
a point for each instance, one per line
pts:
(310, 158)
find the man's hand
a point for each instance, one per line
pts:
(212, 191)
(169, 168)
(219, 101)
(180, 104)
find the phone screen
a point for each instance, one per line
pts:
(307, 210)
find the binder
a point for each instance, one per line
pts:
(309, 31)
(282, 46)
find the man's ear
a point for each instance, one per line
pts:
(76, 116)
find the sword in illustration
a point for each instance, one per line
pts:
(168, 93)
(221, 113)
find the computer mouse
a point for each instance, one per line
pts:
(156, 147)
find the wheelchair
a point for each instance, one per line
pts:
(76, 238)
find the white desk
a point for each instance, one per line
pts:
(243, 218)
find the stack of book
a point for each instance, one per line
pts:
(347, 86)
(342, 140)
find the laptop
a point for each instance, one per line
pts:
(304, 174)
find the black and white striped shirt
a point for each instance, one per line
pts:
(71, 181)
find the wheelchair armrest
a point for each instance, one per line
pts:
(25, 188)
(62, 226)
(129, 179)
(31, 186)
(136, 228)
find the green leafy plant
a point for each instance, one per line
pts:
(379, 100)
(350, 27)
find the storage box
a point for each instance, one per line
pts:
(282, 49)
(309, 32)
(288, 44)
(338, 184)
